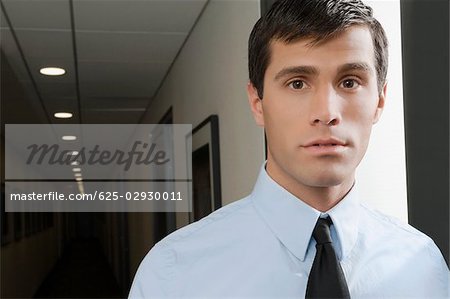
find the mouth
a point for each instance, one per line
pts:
(325, 146)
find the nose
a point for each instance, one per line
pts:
(324, 108)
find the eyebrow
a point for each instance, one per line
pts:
(358, 66)
(313, 71)
(297, 70)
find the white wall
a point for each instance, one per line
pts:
(382, 174)
(210, 77)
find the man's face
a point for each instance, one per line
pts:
(319, 105)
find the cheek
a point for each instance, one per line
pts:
(361, 108)
(285, 118)
(284, 122)
(360, 125)
(283, 106)
(358, 116)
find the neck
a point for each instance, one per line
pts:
(320, 197)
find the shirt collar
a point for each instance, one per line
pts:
(292, 220)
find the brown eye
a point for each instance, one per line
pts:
(349, 83)
(297, 84)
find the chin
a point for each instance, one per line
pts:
(329, 182)
(325, 179)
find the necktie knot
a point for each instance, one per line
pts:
(321, 231)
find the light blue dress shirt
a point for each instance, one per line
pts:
(261, 247)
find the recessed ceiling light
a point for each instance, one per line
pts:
(75, 163)
(52, 71)
(77, 174)
(79, 179)
(76, 169)
(63, 115)
(69, 138)
(74, 153)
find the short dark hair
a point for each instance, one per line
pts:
(291, 20)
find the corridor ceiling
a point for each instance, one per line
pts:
(116, 54)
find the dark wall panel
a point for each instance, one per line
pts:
(425, 44)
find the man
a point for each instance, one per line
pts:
(317, 85)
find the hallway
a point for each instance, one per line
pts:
(82, 272)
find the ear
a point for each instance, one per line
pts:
(380, 106)
(256, 104)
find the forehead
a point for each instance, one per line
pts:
(353, 44)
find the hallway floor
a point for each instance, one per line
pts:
(82, 272)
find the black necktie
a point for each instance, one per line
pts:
(326, 279)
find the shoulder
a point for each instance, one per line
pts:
(380, 225)
(383, 224)
(231, 215)
(213, 238)
(393, 233)
(217, 240)
(394, 247)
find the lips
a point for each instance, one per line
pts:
(326, 142)
(325, 146)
